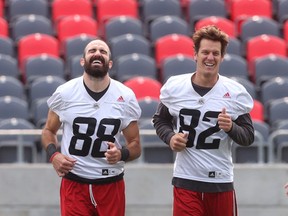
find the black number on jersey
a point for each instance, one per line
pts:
(85, 138)
(193, 118)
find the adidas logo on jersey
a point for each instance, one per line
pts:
(105, 172)
(227, 95)
(120, 99)
(212, 174)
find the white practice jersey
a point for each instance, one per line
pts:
(88, 124)
(208, 156)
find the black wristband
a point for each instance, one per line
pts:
(124, 154)
(51, 149)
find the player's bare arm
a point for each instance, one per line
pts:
(132, 137)
(61, 163)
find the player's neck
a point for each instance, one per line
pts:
(204, 81)
(96, 84)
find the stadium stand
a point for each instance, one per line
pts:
(258, 31)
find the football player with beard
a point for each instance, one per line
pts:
(201, 115)
(93, 110)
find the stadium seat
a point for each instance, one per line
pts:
(175, 65)
(165, 25)
(62, 8)
(43, 87)
(7, 46)
(257, 25)
(281, 11)
(153, 148)
(243, 9)
(16, 8)
(285, 31)
(277, 111)
(199, 9)
(73, 67)
(113, 8)
(156, 8)
(250, 87)
(36, 44)
(74, 46)
(262, 45)
(258, 112)
(2, 7)
(120, 25)
(172, 44)
(9, 66)
(29, 24)
(43, 65)
(257, 152)
(144, 86)
(39, 110)
(4, 28)
(270, 66)
(74, 25)
(11, 86)
(131, 65)
(272, 89)
(234, 46)
(17, 148)
(128, 44)
(13, 107)
(225, 24)
(234, 65)
(148, 106)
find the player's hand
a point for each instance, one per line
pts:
(178, 142)
(224, 121)
(63, 164)
(286, 188)
(113, 154)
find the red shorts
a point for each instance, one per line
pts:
(187, 203)
(78, 199)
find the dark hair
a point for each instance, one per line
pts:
(210, 32)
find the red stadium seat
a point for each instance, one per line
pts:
(285, 31)
(74, 25)
(242, 9)
(223, 23)
(4, 29)
(144, 86)
(263, 45)
(61, 8)
(173, 44)
(257, 113)
(36, 44)
(112, 8)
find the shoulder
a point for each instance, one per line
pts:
(231, 84)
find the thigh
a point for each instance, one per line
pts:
(75, 199)
(110, 198)
(220, 204)
(187, 203)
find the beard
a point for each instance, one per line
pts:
(96, 71)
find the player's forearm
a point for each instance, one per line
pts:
(48, 137)
(242, 131)
(134, 149)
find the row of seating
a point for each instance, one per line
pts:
(147, 49)
(268, 147)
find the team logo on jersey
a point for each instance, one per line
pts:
(227, 95)
(105, 172)
(212, 174)
(120, 99)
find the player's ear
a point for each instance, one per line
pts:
(82, 61)
(110, 64)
